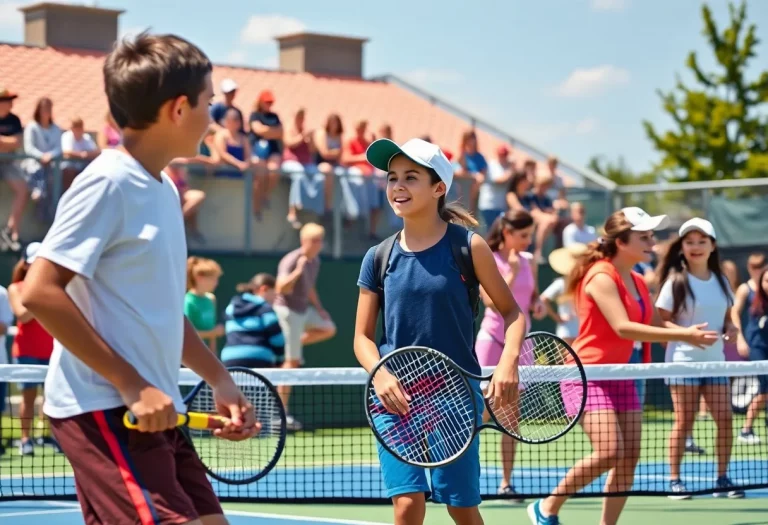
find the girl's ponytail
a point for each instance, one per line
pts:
(454, 212)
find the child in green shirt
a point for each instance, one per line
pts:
(199, 302)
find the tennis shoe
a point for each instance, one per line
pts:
(727, 489)
(511, 493)
(677, 488)
(538, 518)
(748, 437)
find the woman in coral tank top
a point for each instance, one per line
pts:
(614, 310)
(31, 346)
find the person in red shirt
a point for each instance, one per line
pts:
(615, 310)
(354, 158)
(32, 345)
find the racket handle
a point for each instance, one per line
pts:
(190, 419)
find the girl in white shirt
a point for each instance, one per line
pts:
(694, 290)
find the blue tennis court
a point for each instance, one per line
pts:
(364, 481)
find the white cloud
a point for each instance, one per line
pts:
(608, 5)
(262, 29)
(433, 76)
(592, 81)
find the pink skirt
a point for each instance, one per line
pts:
(617, 396)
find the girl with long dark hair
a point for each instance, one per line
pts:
(693, 292)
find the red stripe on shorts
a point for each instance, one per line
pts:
(135, 492)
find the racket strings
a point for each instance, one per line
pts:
(440, 421)
(549, 394)
(240, 460)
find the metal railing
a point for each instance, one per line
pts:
(679, 200)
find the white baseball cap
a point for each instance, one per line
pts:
(30, 253)
(381, 152)
(228, 85)
(699, 225)
(642, 222)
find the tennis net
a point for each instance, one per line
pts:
(334, 457)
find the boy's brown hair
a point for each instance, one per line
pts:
(142, 74)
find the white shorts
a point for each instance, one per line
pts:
(293, 325)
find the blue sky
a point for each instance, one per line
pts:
(573, 77)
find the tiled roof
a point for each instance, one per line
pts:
(72, 79)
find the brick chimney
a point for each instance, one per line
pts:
(73, 26)
(322, 54)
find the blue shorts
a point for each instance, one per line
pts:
(30, 361)
(457, 484)
(697, 381)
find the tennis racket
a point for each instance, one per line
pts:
(234, 462)
(445, 408)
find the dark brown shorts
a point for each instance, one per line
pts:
(130, 477)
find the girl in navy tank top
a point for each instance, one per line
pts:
(427, 305)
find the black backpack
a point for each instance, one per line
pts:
(462, 254)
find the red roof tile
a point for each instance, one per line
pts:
(72, 79)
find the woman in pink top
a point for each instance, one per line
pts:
(508, 237)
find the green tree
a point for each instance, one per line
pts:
(719, 131)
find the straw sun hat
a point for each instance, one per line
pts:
(562, 259)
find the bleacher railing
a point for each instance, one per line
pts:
(348, 231)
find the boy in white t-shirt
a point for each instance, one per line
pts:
(108, 284)
(695, 292)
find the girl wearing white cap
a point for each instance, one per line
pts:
(695, 291)
(614, 309)
(427, 305)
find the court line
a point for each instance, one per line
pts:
(305, 519)
(245, 514)
(38, 512)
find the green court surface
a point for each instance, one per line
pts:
(323, 446)
(703, 510)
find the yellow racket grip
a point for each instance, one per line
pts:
(190, 419)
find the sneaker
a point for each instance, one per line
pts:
(692, 448)
(536, 516)
(748, 437)
(27, 448)
(292, 424)
(511, 494)
(727, 489)
(677, 488)
(48, 441)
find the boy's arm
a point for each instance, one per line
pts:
(44, 295)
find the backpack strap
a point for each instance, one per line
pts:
(380, 264)
(462, 253)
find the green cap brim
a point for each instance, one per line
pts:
(381, 151)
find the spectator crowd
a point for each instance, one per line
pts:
(317, 161)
